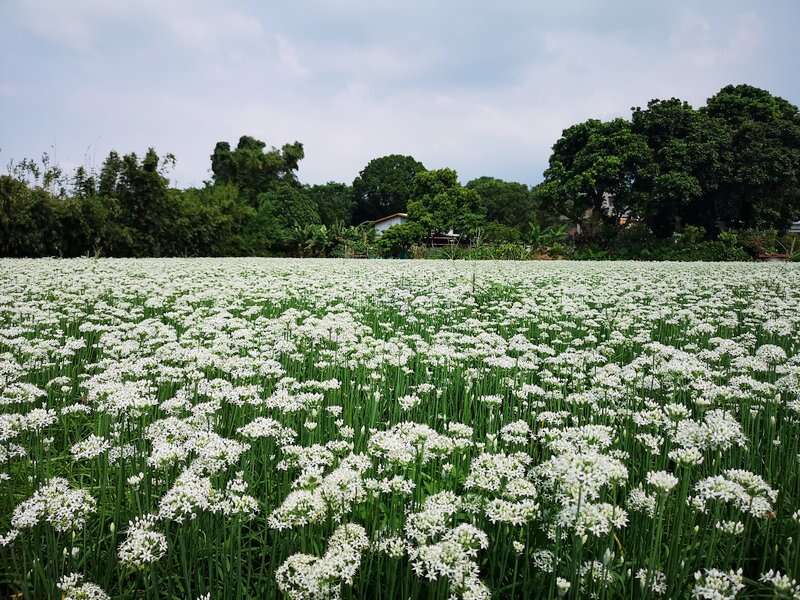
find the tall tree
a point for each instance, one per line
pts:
(208, 221)
(140, 188)
(280, 210)
(440, 203)
(689, 150)
(384, 187)
(253, 168)
(29, 223)
(761, 183)
(334, 202)
(505, 202)
(592, 172)
(109, 174)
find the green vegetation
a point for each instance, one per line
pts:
(237, 428)
(672, 182)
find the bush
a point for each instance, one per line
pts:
(759, 241)
(398, 240)
(549, 241)
(512, 252)
(497, 233)
(636, 242)
(713, 250)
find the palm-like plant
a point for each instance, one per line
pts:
(543, 239)
(310, 239)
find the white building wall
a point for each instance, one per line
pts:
(384, 225)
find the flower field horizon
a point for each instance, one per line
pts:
(215, 429)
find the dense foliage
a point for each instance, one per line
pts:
(732, 165)
(218, 429)
(384, 187)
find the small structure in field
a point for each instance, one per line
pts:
(785, 247)
(388, 221)
(773, 256)
(450, 238)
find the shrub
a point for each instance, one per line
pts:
(497, 233)
(398, 240)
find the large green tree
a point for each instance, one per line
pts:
(334, 202)
(208, 221)
(139, 186)
(760, 186)
(505, 202)
(253, 167)
(384, 187)
(29, 224)
(689, 151)
(440, 204)
(592, 172)
(279, 212)
(91, 225)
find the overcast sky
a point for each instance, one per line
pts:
(483, 87)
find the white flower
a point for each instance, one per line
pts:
(641, 501)
(65, 508)
(597, 519)
(730, 527)
(713, 584)
(662, 481)
(581, 474)
(544, 560)
(393, 546)
(782, 583)
(744, 490)
(517, 432)
(654, 581)
(409, 401)
(303, 577)
(142, 544)
(91, 447)
(74, 588)
(404, 442)
(264, 427)
(771, 354)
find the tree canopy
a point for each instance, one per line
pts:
(384, 187)
(441, 204)
(732, 165)
(593, 170)
(253, 168)
(505, 202)
(334, 201)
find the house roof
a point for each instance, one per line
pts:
(387, 217)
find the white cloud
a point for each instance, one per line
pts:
(711, 44)
(488, 93)
(287, 54)
(8, 89)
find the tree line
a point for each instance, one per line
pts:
(670, 170)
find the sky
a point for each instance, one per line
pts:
(482, 87)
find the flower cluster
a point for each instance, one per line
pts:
(306, 577)
(596, 430)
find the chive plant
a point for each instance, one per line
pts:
(237, 428)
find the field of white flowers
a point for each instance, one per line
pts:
(266, 428)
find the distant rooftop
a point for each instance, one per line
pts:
(391, 216)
